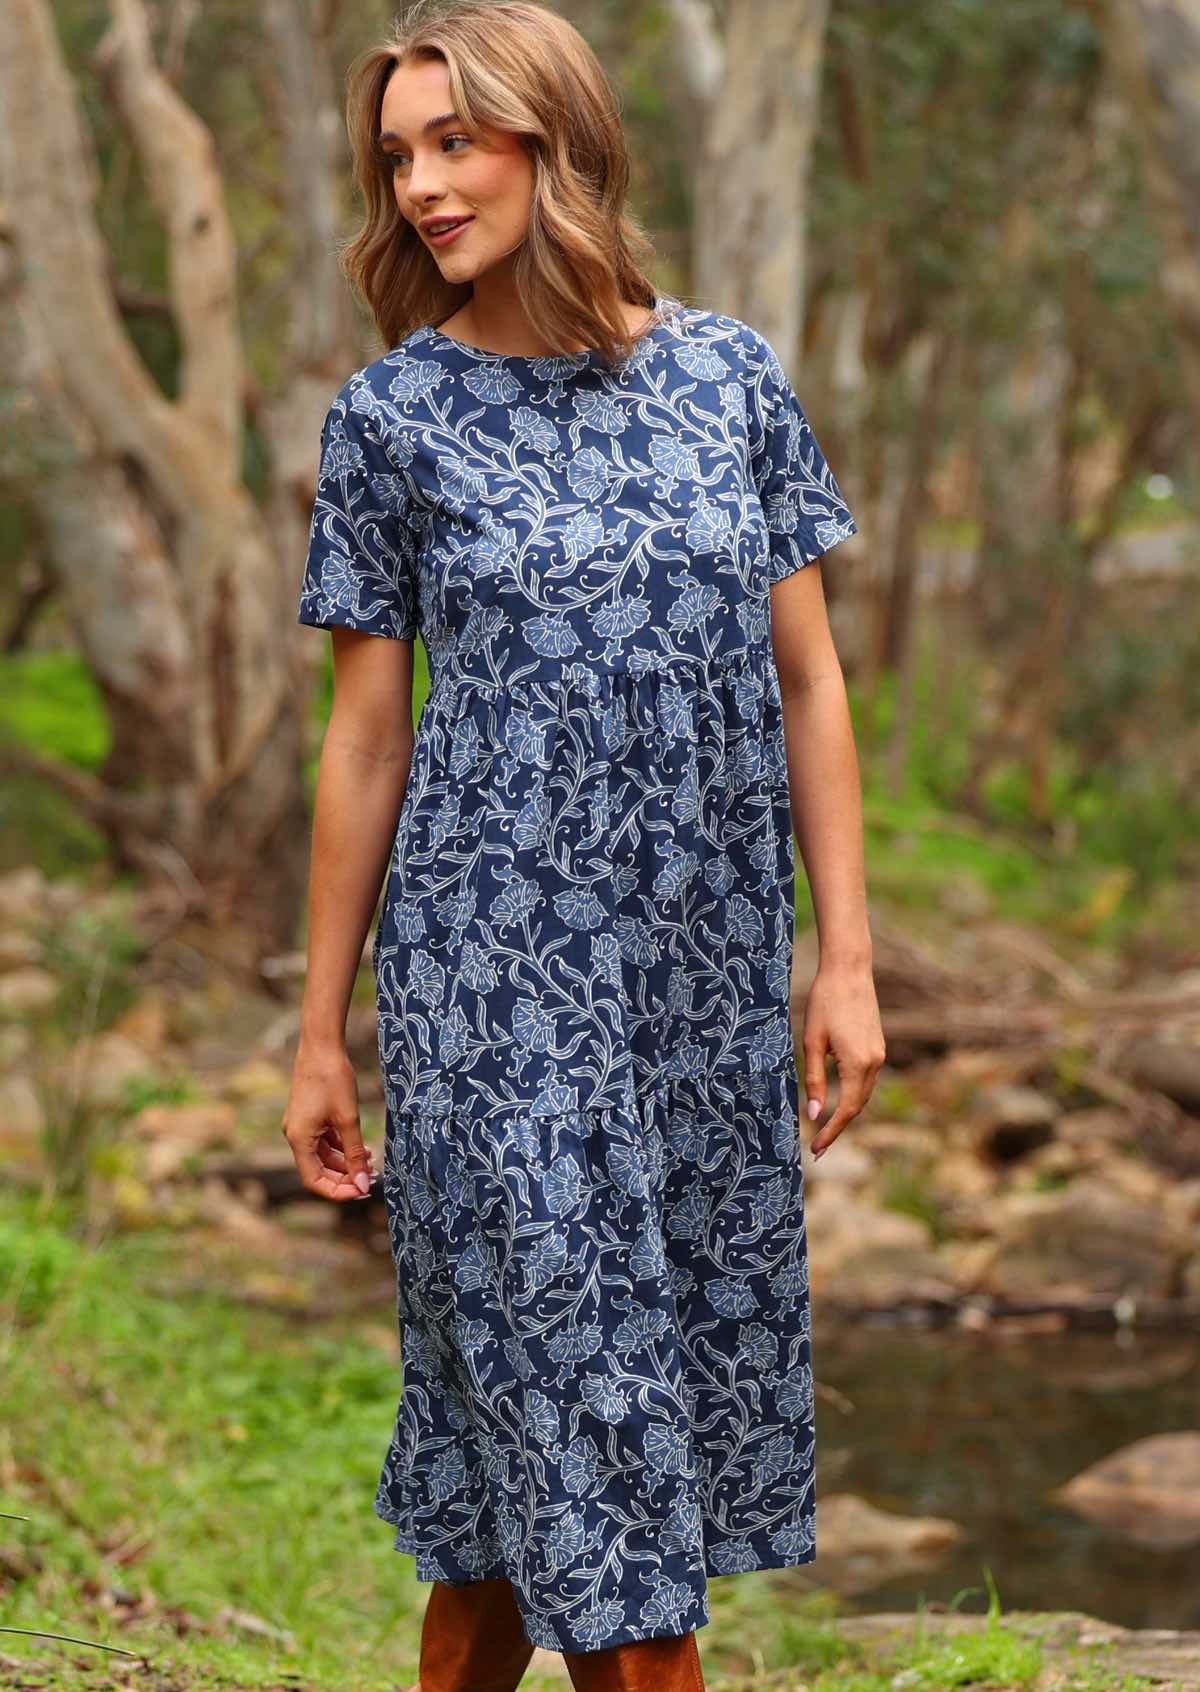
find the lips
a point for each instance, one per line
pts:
(444, 232)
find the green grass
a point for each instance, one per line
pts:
(238, 1451)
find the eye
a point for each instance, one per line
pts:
(389, 160)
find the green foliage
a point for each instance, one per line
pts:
(36, 1260)
(1050, 1180)
(993, 1656)
(49, 703)
(93, 951)
(143, 1090)
(910, 1192)
(895, 1099)
(809, 1641)
(48, 700)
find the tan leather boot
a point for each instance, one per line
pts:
(642, 1665)
(473, 1639)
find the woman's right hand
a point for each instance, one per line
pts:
(322, 1127)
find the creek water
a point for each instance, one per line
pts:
(980, 1429)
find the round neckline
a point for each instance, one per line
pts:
(661, 313)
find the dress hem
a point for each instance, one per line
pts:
(411, 1547)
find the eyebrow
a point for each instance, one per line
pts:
(427, 127)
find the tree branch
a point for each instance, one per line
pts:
(183, 180)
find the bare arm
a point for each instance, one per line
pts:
(823, 777)
(361, 782)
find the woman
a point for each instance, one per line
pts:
(595, 504)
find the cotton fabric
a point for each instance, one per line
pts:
(592, 1159)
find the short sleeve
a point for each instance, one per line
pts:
(359, 573)
(802, 503)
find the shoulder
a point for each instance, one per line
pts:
(364, 389)
(739, 345)
(369, 407)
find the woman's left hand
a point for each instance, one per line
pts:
(842, 1016)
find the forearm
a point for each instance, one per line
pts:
(358, 801)
(826, 795)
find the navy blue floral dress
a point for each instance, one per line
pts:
(592, 1159)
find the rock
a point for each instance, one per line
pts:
(28, 989)
(18, 948)
(215, 1204)
(172, 1133)
(1137, 1180)
(1148, 1493)
(107, 1068)
(22, 895)
(16, 1044)
(967, 1187)
(22, 1125)
(860, 1547)
(66, 894)
(1166, 1066)
(846, 1167)
(257, 1079)
(1096, 1129)
(897, 1142)
(1013, 1122)
(1181, 1202)
(21, 1113)
(146, 1023)
(1054, 1159)
(1084, 1240)
(862, 1255)
(966, 1262)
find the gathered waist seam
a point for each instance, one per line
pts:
(584, 680)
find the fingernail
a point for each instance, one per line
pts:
(814, 1109)
(362, 1181)
(820, 1153)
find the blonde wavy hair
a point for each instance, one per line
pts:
(516, 66)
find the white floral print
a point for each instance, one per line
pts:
(592, 1151)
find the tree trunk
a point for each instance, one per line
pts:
(753, 93)
(180, 590)
(1156, 57)
(897, 638)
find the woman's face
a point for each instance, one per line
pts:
(448, 170)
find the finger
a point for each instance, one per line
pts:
(326, 1183)
(358, 1164)
(332, 1158)
(851, 1099)
(335, 1163)
(324, 1170)
(334, 1137)
(815, 1079)
(339, 1187)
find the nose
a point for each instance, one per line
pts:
(424, 187)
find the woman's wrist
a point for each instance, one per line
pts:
(320, 1038)
(846, 956)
